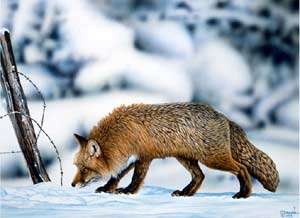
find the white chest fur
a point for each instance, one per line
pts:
(130, 160)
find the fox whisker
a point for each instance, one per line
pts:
(92, 180)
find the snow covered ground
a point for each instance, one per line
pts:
(48, 200)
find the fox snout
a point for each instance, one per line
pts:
(79, 178)
(84, 182)
(77, 181)
(79, 184)
(84, 177)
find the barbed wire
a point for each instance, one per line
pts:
(40, 126)
(43, 131)
(43, 99)
(11, 152)
(43, 113)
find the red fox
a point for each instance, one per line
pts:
(132, 136)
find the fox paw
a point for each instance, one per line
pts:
(240, 195)
(124, 191)
(105, 189)
(180, 193)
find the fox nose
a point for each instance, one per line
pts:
(73, 184)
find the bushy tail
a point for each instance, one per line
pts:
(259, 164)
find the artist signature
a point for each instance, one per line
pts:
(288, 213)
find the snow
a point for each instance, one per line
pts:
(49, 85)
(22, 21)
(165, 38)
(217, 64)
(139, 71)
(3, 31)
(288, 114)
(273, 100)
(94, 36)
(48, 200)
(276, 134)
(33, 54)
(95, 76)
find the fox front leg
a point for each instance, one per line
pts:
(140, 171)
(112, 184)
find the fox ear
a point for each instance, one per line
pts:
(81, 140)
(94, 148)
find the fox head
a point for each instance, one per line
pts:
(89, 162)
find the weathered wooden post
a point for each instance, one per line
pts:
(16, 101)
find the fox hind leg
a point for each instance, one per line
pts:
(227, 163)
(243, 176)
(245, 183)
(197, 177)
(112, 184)
(140, 171)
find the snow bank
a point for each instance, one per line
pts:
(288, 114)
(47, 200)
(165, 38)
(219, 69)
(274, 99)
(92, 35)
(138, 71)
(49, 85)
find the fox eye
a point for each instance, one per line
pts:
(84, 170)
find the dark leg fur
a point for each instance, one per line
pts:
(140, 171)
(197, 178)
(226, 163)
(245, 183)
(112, 184)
